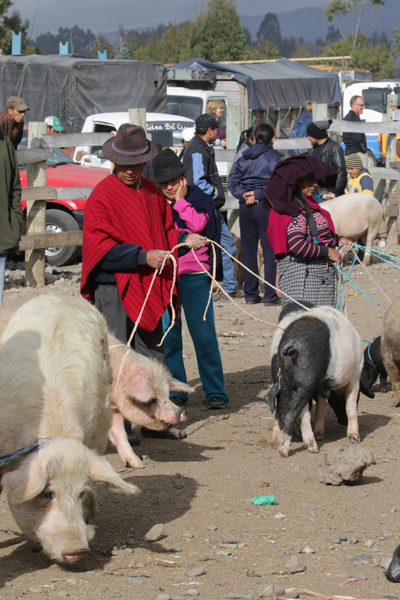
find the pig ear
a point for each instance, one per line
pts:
(101, 471)
(26, 482)
(138, 387)
(179, 386)
(272, 396)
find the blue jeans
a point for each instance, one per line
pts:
(2, 274)
(194, 289)
(228, 282)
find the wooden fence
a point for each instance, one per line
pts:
(37, 193)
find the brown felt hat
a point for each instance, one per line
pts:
(129, 146)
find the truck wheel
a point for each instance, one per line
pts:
(371, 160)
(58, 221)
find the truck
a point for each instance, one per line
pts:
(375, 95)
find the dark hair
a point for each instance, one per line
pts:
(203, 130)
(264, 133)
(245, 136)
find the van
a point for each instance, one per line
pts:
(165, 129)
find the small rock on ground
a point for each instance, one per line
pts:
(155, 533)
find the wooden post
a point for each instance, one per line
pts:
(233, 131)
(35, 210)
(391, 185)
(319, 112)
(137, 116)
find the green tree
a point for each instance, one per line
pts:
(11, 23)
(217, 34)
(376, 59)
(270, 29)
(264, 50)
(338, 8)
(101, 43)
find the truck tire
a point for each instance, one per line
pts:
(371, 160)
(58, 221)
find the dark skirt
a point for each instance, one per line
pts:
(313, 281)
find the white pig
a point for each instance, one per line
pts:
(55, 388)
(141, 387)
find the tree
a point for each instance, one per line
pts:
(79, 40)
(376, 59)
(13, 23)
(217, 34)
(101, 43)
(337, 8)
(270, 29)
(264, 50)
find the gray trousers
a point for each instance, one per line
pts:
(108, 302)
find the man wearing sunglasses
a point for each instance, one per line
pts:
(12, 119)
(356, 143)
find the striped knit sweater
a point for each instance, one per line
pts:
(299, 239)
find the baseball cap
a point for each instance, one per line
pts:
(16, 102)
(207, 120)
(54, 122)
(188, 133)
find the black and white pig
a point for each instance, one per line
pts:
(373, 367)
(318, 356)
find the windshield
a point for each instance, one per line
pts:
(184, 106)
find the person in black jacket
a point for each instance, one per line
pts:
(331, 153)
(201, 170)
(246, 182)
(356, 143)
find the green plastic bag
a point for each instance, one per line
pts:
(259, 500)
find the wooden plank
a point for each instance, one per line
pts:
(384, 173)
(48, 192)
(73, 193)
(137, 116)
(28, 157)
(392, 210)
(35, 209)
(354, 127)
(68, 140)
(291, 143)
(51, 240)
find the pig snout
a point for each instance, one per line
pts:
(73, 556)
(181, 415)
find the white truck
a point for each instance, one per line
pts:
(375, 95)
(164, 128)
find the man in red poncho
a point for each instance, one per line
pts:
(128, 230)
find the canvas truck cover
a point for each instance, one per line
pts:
(277, 84)
(72, 88)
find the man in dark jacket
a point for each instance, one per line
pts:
(201, 170)
(356, 143)
(330, 153)
(10, 203)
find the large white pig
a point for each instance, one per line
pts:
(356, 216)
(55, 390)
(141, 387)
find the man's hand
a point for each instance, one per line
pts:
(182, 190)
(155, 258)
(249, 198)
(195, 241)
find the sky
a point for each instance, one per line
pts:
(103, 15)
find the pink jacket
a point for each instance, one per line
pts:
(195, 222)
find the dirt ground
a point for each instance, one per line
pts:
(200, 488)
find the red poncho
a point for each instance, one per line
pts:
(117, 214)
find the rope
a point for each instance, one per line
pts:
(356, 286)
(11, 457)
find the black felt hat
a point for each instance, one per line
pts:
(167, 166)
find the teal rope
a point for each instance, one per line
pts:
(339, 300)
(375, 252)
(366, 341)
(356, 286)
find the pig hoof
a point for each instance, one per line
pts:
(283, 452)
(284, 446)
(313, 448)
(354, 438)
(319, 435)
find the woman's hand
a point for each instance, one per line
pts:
(249, 198)
(335, 256)
(182, 189)
(196, 241)
(345, 242)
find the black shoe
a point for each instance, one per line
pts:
(254, 300)
(173, 433)
(215, 403)
(178, 401)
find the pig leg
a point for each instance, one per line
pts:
(276, 432)
(319, 424)
(306, 430)
(351, 411)
(117, 436)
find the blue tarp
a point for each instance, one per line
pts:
(279, 84)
